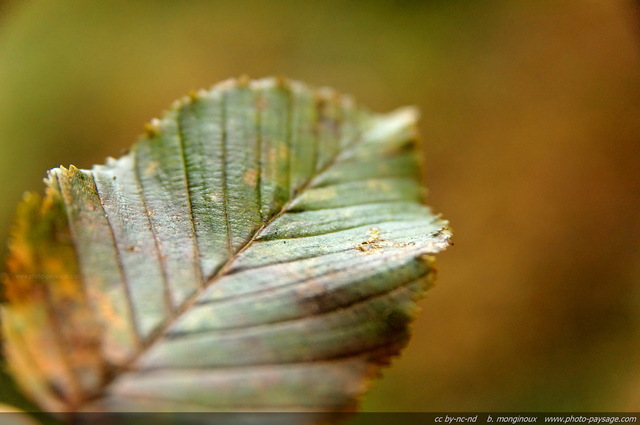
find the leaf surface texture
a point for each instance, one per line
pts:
(260, 248)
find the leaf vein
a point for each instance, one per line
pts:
(196, 250)
(338, 308)
(124, 279)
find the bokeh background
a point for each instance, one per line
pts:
(531, 117)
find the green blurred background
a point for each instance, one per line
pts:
(531, 117)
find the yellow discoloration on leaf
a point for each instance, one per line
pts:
(375, 244)
(111, 349)
(283, 151)
(378, 185)
(151, 168)
(23, 368)
(324, 194)
(428, 259)
(251, 177)
(47, 311)
(272, 156)
(261, 102)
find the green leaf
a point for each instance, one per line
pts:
(260, 248)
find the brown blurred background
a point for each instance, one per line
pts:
(531, 116)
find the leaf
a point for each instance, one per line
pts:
(260, 248)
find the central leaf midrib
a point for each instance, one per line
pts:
(178, 311)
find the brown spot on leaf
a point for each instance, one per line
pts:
(375, 244)
(250, 177)
(261, 102)
(151, 168)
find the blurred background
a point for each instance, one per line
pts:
(531, 117)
